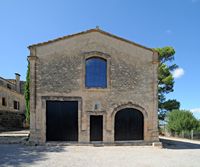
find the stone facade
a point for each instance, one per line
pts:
(12, 90)
(57, 72)
(12, 102)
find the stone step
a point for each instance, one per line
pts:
(100, 144)
(14, 137)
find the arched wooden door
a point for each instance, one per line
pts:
(129, 125)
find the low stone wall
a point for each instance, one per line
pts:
(13, 120)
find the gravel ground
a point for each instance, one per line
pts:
(174, 154)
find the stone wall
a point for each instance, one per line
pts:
(11, 120)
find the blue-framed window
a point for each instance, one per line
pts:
(96, 73)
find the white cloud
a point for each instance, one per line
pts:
(195, 110)
(177, 73)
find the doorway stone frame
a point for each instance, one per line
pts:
(91, 54)
(134, 106)
(97, 113)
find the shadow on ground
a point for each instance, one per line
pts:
(172, 144)
(20, 155)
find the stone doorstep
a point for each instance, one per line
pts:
(99, 144)
(24, 140)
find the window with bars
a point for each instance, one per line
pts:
(96, 73)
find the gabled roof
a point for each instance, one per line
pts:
(89, 31)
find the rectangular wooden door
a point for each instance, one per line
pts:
(96, 128)
(62, 120)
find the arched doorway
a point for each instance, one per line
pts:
(129, 125)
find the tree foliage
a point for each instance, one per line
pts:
(166, 81)
(167, 106)
(181, 120)
(27, 94)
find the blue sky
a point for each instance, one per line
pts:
(153, 23)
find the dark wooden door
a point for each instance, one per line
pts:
(62, 121)
(96, 128)
(129, 125)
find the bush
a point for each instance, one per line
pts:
(181, 120)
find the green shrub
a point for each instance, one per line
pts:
(181, 120)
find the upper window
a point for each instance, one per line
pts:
(96, 73)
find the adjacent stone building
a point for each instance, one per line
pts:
(12, 102)
(93, 87)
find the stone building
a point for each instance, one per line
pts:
(12, 102)
(93, 86)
